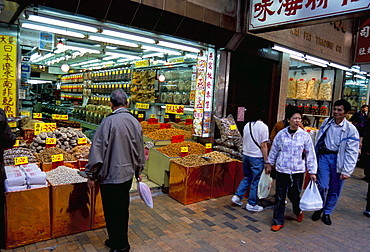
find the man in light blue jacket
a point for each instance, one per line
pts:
(337, 151)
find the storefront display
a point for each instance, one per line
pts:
(356, 90)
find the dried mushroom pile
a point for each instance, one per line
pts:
(45, 155)
(10, 154)
(64, 175)
(213, 157)
(66, 139)
(174, 149)
(149, 128)
(81, 151)
(231, 141)
(167, 134)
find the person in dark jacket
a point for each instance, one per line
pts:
(7, 140)
(116, 155)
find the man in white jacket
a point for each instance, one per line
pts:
(337, 150)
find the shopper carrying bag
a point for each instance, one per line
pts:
(311, 199)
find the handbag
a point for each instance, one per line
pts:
(311, 199)
(264, 186)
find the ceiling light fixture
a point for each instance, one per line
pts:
(179, 47)
(51, 21)
(317, 60)
(161, 49)
(315, 63)
(128, 36)
(113, 41)
(60, 45)
(286, 50)
(339, 66)
(52, 30)
(65, 67)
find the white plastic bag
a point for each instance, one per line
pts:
(264, 185)
(145, 193)
(311, 199)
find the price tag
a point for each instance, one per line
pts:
(20, 160)
(166, 116)
(188, 117)
(45, 127)
(16, 144)
(208, 147)
(51, 140)
(184, 151)
(37, 115)
(12, 124)
(142, 106)
(57, 158)
(38, 128)
(55, 116)
(64, 117)
(178, 139)
(165, 126)
(177, 116)
(26, 113)
(174, 109)
(57, 102)
(152, 121)
(152, 116)
(140, 115)
(233, 127)
(82, 140)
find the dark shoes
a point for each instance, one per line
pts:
(108, 244)
(326, 219)
(367, 213)
(316, 215)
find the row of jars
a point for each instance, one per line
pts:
(76, 88)
(123, 73)
(91, 114)
(314, 109)
(109, 87)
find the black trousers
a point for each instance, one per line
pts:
(293, 184)
(116, 201)
(368, 198)
(2, 207)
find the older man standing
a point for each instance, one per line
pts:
(116, 155)
(337, 151)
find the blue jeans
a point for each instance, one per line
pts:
(330, 184)
(252, 168)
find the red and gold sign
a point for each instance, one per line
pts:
(184, 151)
(208, 147)
(82, 141)
(20, 160)
(51, 140)
(178, 139)
(57, 158)
(37, 115)
(16, 144)
(59, 117)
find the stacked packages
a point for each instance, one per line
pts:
(24, 177)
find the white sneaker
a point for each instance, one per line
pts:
(255, 208)
(236, 200)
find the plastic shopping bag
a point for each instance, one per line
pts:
(145, 193)
(264, 185)
(311, 199)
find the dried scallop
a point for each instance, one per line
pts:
(292, 88)
(302, 89)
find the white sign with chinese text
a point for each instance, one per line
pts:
(269, 13)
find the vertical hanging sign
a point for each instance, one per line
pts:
(8, 73)
(208, 94)
(199, 96)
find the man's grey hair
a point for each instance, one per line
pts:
(118, 97)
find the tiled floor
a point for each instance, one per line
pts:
(216, 225)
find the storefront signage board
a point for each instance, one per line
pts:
(199, 95)
(8, 75)
(273, 13)
(174, 109)
(363, 42)
(142, 106)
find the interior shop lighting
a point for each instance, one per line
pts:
(86, 62)
(113, 41)
(286, 50)
(178, 47)
(38, 81)
(128, 36)
(161, 49)
(317, 60)
(191, 56)
(53, 30)
(349, 73)
(60, 45)
(292, 56)
(359, 76)
(339, 66)
(153, 55)
(61, 23)
(81, 49)
(313, 62)
(65, 67)
(43, 57)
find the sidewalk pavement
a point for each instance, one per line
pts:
(216, 225)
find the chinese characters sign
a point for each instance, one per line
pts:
(174, 109)
(8, 61)
(363, 42)
(199, 95)
(268, 13)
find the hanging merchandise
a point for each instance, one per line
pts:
(292, 88)
(325, 90)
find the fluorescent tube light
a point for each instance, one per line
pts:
(153, 55)
(339, 66)
(292, 56)
(81, 49)
(349, 73)
(192, 56)
(61, 23)
(162, 50)
(113, 41)
(44, 57)
(315, 63)
(179, 47)
(286, 50)
(53, 30)
(128, 36)
(359, 76)
(86, 62)
(317, 60)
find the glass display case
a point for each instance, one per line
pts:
(356, 90)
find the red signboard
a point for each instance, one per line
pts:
(178, 139)
(165, 126)
(363, 42)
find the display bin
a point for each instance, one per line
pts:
(164, 142)
(82, 164)
(223, 179)
(97, 216)
(190, 184)
(70, 209)
(28, 135)
(158, 166)
(239, 174)
(27, 217)
(49, 166)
